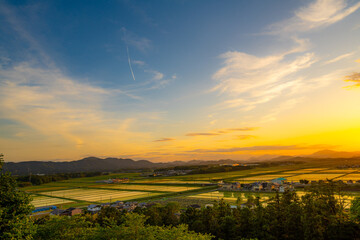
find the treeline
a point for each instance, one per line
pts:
(217, 169)
(319, 214)
(41, 179)
(126, 226)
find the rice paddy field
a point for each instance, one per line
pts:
(174, 181)
(338, 171)
(231, 196)
(39, 201)
(354, 177)
(79, 191)
(96, 195)
(314, 176)
(161, 188)
(261, 178)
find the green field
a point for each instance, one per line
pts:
(82, 191)
(160, 188)
(232, 196)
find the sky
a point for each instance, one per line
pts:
(178, 80)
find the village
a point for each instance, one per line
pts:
(278, 184)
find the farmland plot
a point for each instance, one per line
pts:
(353, 177)
(95, 195)
(173, 181)
(262, 177)
(343, 171)
(299, 171)
(162, 188)
(231, 196)
(40, 201)
(314, 177)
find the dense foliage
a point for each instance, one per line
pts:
(41, 179)
(14, 209)
(128, 226)
(319, 214)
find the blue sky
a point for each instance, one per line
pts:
(139, 78)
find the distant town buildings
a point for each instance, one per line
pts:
(278, 184)
(114, 180)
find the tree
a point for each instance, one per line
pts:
(65, 228)
(355, 209)
(14, 209)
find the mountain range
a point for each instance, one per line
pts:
(94, 164)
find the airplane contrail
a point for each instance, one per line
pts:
(129, 60)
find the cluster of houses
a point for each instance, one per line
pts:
(128, 206)
(95, 208)
(278, 184)
(56, 211)
(66, 212)
(166, 173)
(114, 180)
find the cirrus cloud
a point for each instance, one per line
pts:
(221, 131)
(265, 148)
(319, 13)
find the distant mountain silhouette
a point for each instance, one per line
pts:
(333, 154)
(89, 164)
(94, 164)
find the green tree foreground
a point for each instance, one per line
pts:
(14, 209)
(132, 227)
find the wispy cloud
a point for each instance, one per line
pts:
(18, 26)
(130, 38)
(221, 131)
(158, 80)
(264, 148)
(138, 62)
(248, 80)
(239, 129)
(164, 140)
(54, 104)
(201, 134)
(245, 137)
(320, 13)
(353, 78)
(341, 57)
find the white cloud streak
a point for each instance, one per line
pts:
(129, 60)
(341, 57)
(318, 14)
